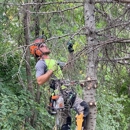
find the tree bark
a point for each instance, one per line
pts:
(27, 42)
(91, 76)
(27, 57)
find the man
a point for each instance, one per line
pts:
(47, 70)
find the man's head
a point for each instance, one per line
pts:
(39, 48)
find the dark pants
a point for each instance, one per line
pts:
(79, 106)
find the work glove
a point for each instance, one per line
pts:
(54, 67)
(51, 64)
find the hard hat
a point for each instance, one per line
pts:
(42, 50)
(39, 48)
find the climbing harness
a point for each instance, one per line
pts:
(64, 99)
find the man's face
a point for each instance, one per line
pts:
(45, 49)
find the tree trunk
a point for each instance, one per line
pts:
(91, 76)
(27, 57)
(27, 52)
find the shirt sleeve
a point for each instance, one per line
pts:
(41, 68)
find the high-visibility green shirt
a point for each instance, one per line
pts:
(43, 65)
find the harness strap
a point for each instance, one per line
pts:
(68, 94)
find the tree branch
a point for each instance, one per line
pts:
(68, 2)
(111, 1)
(113, 26)
(115, 59)
(52, 12)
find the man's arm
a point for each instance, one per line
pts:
(45, 77)
(41, 74)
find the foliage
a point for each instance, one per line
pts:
(15, 109)
(113, 99)
(17, 104)
(111, 110)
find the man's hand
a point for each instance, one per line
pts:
(53, 67)
(51, 64)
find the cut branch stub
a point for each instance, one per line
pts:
(92, 103)
(95, 85)
(91, 84)
(88, 78)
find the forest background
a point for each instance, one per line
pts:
(22, 102)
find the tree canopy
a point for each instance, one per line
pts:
(23, 102)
